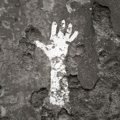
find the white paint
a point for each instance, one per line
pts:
(56, 53)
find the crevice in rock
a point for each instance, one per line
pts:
(107, 40)
(37, 97)
(5, 118)
(73, 81)
(64, 115)
(47, 114)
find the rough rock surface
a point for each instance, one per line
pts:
(92, 62)
(87, 68)
(114, 6)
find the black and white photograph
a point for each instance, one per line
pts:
(59, 59)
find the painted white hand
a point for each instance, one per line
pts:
(56, 53)
(58, 47)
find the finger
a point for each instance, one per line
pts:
(69, 31)
(53, 29)
(36, 42)
(75, 34)
(41, 45)
(60, 33)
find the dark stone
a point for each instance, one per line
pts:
(87, 69)
(87, 72)
(16, 19)
(116, 116)
(25, 113)
(73, 81)
(47, 114)
(32, 33)
(17, 3)
(38, 97)
(74, 5)
(114, 6)
(63, 115)
(5, 118)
